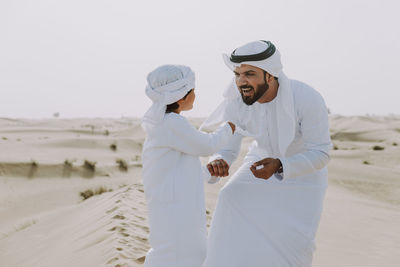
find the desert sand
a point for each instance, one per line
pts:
(50, 168)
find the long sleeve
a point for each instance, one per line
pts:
(184, 137)
(229, 111)
(314, 126)
(230, 151)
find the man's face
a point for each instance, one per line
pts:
(251, 83)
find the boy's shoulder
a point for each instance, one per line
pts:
(174, 120)
(172, 116)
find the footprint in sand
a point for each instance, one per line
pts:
(139, 217)
(111, 210)
(141, 238)
(119, 217)
(120, 229)
(112, 260)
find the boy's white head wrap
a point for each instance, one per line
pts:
(166, 85)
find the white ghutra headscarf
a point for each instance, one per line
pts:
(264, 55)
(166, 85)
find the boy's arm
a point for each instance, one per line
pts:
(184, 137)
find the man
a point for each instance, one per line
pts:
(269, 211)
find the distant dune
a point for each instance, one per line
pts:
(48, 167)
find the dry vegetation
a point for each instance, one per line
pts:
(68, 163)
(123, 166)
(113, 147)
(89, 165)
(89, 193)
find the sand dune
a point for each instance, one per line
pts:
(45, 221)
(103, 230)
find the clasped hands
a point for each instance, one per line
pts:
(220, 168)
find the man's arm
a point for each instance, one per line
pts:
(220, 162)
(314, 126)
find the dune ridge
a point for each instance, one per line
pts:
(104, 230)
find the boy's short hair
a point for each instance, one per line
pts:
(174, 106)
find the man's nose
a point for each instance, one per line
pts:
(241, 80)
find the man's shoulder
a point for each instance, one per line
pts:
(303, 91)
(301, 86)
(306, 99)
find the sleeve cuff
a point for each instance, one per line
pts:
(227, 126)
(207, 176)
(278, 176)
(285, 167)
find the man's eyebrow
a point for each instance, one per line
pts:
(245, 72)
(249, 71)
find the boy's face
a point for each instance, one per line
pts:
(187, 103)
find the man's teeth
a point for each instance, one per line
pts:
(246, 90)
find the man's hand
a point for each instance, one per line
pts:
(268, 167)
(233, 127)
(218, 168)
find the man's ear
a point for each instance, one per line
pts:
(268, 77)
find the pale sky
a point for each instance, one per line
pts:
(90, 58)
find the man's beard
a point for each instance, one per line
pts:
(261, 89)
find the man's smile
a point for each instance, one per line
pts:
(247, 91)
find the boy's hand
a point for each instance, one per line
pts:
(218, 168)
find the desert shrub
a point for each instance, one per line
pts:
(68, 163)
(67, 169)
(89, 193)
(394, 144)
(378, 148)
(123, 166)
(33, 168)
(113, 147)
(335, 147)
(366, 162)
(89, 165)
